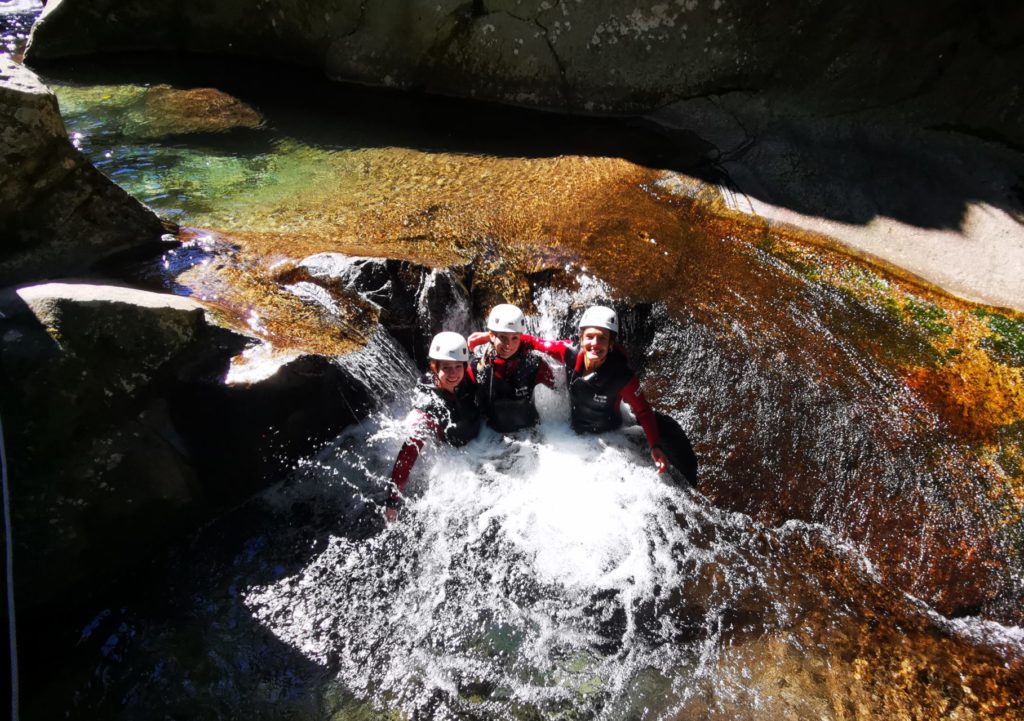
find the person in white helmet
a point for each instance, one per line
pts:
(444, 406)
(506, 372)
(599, 379)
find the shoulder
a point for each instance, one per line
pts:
(618, 363)
(425, 395)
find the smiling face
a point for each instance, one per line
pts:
(448, 374)
(595, 343)
(505, 344)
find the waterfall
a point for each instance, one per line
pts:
(544, 573)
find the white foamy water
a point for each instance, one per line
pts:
(545, 575)
(19, 6)
(528, 570)
(535, 570)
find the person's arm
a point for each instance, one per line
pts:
(477, 339)
(544, 375)
(422, 424)
(403, 467)
(554, 348)
(632, 395)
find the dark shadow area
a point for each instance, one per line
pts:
(299, 103)
(856, 173)
(177, 640)
(843, 168)
(107, 491)
(677, 447)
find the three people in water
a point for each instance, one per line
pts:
(499, 380)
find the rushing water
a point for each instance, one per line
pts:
(549, 575)
(541, 575)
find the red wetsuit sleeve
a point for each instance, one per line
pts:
(410, 451)
(544, 375)
(475, 343)
(403, 466)
(554, 348)
(632, 394)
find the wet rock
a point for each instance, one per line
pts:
(443, 303)
(951, 65)
(173, 111)
(122, 433)
(59, 214)
(415, 301)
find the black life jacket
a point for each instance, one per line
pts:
(456, 414)
(508, 401)
(593, 396)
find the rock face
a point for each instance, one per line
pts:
(121, 433)
(58, 214)
(951, 64)
(944, 208)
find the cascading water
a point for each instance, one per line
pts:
(543, 575)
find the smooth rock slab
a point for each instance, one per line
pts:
(942, 63)
(943, 209)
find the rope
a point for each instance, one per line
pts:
(9, 545)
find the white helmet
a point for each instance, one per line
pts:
(599, 316)
(448, 346)
(506, 318)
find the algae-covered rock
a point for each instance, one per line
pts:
(174, 111)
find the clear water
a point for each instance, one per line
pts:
(16, 18)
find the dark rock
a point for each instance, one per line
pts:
(415, 301)
(122, 433)
(58, 214)
(951, 64)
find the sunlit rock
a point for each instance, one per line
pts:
(60, 215)
(173, 111)
(936, 207)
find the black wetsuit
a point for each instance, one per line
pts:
(505, 388)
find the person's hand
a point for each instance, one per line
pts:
(660, 459)
(478, 338)
(390, 515)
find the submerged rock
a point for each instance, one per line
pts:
(138, 113)
(59, 215)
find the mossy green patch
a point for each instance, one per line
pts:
(928, 316)
(1006, 343)
(803, 265)
(1010, 455)
(97, 99)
